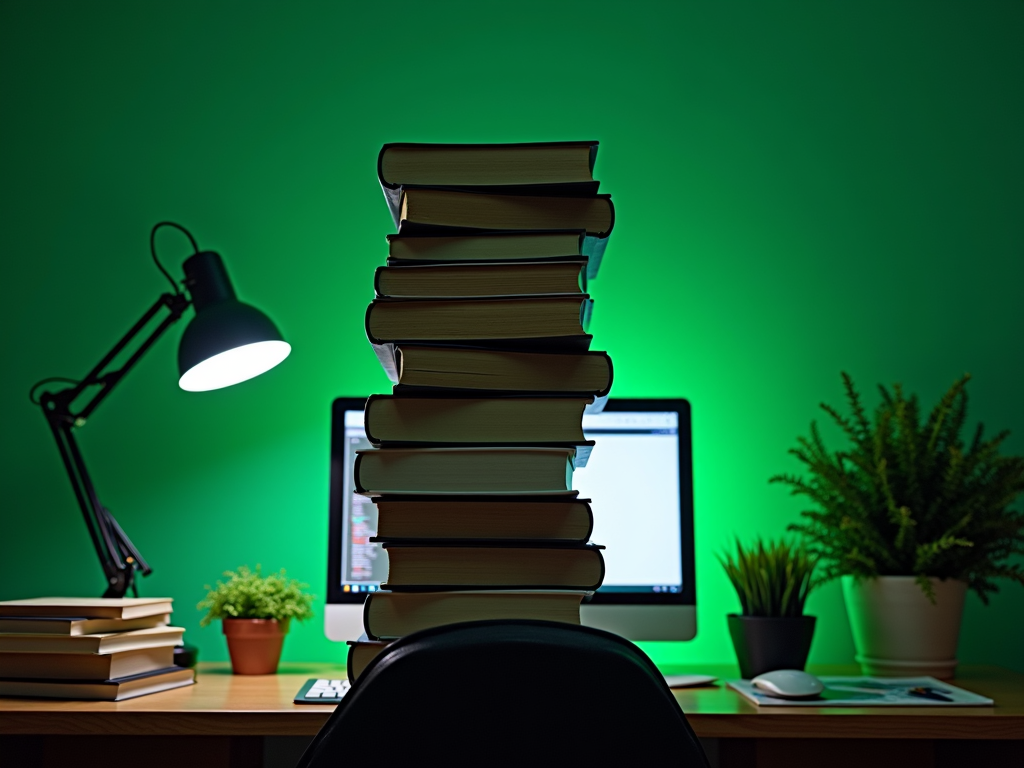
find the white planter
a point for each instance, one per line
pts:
(898, 631)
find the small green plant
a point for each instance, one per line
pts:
(248, 594)
(771, 578)
(911, 499)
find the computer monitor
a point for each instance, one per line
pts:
(640, 482)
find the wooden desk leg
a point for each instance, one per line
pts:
(150, 751)
(876, 753)
(834, 753)
(21, 751)
(955, 753)
(737, 753)
(245, 751)
(846, 753)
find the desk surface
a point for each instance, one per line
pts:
(222, 704)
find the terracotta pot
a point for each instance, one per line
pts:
(767, 643)
(898, 631)
(254, 645)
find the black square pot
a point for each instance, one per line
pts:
(764, 644)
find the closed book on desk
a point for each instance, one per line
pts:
(104, 690)
(494, 371)
(506, 421)
(523, 278)
(104, 642)
(445, 211)
(446, 471)
(511, 518)
(85, 666)
(397, 614)
(489, 565)
(88, 607)
(483, 247)
(43, 625)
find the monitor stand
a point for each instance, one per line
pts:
(634, 622)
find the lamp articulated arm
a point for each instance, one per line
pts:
(227, 342)
(118, 556)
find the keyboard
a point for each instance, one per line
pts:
(322, 691)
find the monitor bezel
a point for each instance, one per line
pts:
(687, 594)
(335, 503)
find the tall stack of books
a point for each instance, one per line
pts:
(480, 322)
(106, 649)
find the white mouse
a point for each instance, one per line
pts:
(789, 684)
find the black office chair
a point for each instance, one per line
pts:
(508, 693)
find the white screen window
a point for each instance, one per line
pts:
(632, 480)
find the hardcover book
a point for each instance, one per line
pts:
(484, 247)
(548, 322)
(498, 471)
(497, 371)
(117, 689)
(396, 614)
(361, 652)
(87, 607)
(520, 518)
(103, 642)
(48, 625)
(477, 280)
(488, 565)
(497, 420)
(85, 666)
(451, 212)
(474, 165)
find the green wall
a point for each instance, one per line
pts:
(801, 188)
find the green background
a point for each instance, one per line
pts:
(801, 188)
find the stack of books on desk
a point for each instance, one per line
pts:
(480, 322)
(83, 648)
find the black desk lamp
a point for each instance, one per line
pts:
(226, 343)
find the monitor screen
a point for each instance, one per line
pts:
(638, 480)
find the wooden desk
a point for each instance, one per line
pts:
(223, 718)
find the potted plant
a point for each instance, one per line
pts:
(773, 581)
(256, 611)
(910, 517)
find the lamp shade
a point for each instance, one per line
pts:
(227, 341)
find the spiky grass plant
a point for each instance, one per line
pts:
(248, 594)
(772, 579)
(911, 499)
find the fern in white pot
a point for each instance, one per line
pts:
(910, 516)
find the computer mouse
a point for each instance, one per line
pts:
(788, 684)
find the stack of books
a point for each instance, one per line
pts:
(480, 322)
(106, 649)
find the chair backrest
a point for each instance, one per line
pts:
(516, 693)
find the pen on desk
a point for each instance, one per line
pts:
(928, 693)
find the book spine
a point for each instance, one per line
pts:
(350, 667)
(366, 626)
(357, 466)
(367, 418)
(595, 551)
(559, 344)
